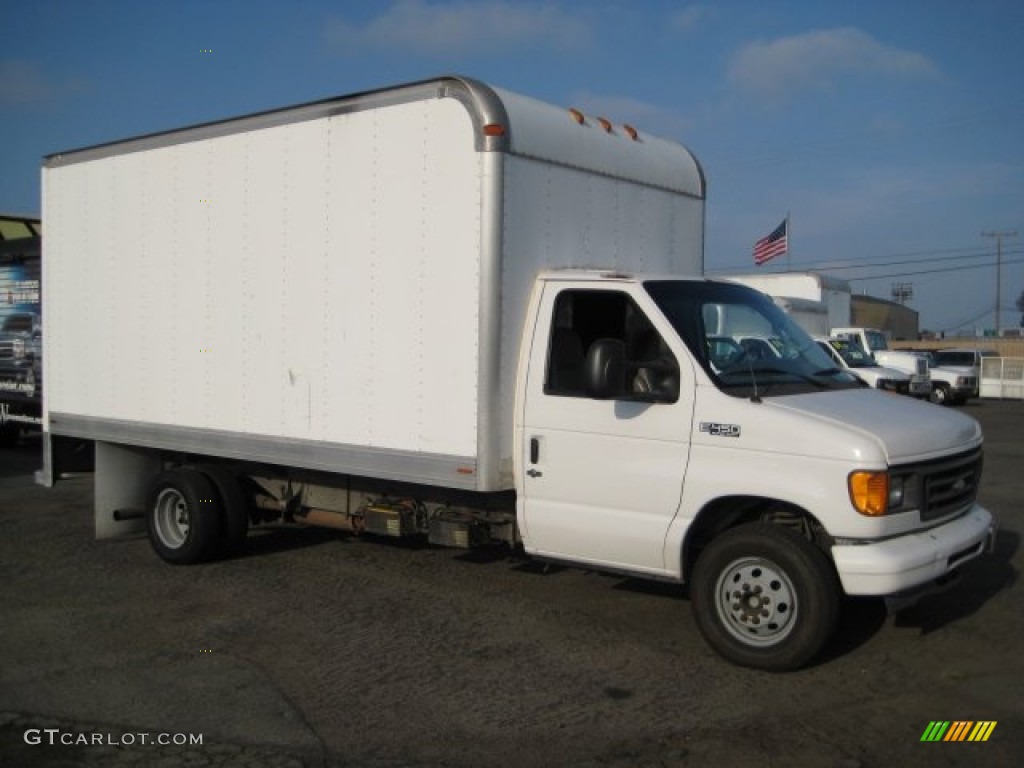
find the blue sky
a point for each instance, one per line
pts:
(892, 133)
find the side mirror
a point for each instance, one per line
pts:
(606, 369)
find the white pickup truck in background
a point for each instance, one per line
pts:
(875, 342)
(952, 383)
(849, 354)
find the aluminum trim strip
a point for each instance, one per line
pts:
(404, 466)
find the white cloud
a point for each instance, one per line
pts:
(23, 83)
(818, 60)
(687, 18)
(642, 115)
(461, 27)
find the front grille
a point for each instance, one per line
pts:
(6, 350)
(949, 484)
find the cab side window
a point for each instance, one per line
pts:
(648, 370)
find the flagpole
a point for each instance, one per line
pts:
(789, 242)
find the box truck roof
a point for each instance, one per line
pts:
(503, 121)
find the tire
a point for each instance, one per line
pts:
(940, 394)
(794, 619)
(234, 508)
(183, 517)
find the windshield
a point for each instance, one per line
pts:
(954, 358)
(717, 321)
(853, 353)
(876, 341)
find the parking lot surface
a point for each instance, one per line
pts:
(319, 648)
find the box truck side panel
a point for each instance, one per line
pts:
(279, 286)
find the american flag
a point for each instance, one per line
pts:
(776, 244)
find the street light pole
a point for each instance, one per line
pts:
(999, 268)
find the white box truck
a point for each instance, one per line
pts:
(816, 302)
(449, 311)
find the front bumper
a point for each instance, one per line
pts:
(920, 387)
(903, 563)
(964, 393)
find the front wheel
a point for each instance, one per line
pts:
(940, 394)
(764, 597)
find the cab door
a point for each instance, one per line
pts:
(603, 476)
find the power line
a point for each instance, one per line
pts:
(806, 267)
(894, 262)
(970, 321)
(935, 271)
(890, 261)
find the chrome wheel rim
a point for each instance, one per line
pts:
(171, 518)
(756, 601)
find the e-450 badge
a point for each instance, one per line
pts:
(720, 430)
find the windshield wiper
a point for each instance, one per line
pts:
(752, 371)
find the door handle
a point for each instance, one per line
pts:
(534, 473)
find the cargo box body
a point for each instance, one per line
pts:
(342, 285)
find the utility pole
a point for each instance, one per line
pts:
(999, 267)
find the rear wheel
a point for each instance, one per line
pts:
(234, 507)
(183, 517)
(764, 597)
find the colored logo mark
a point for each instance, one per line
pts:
(958, 730)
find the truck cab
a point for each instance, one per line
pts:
(647, 443)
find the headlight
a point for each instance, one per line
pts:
(19, 348)
(869, 492)
(896, 487)
(903, 492)
(961, 381)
